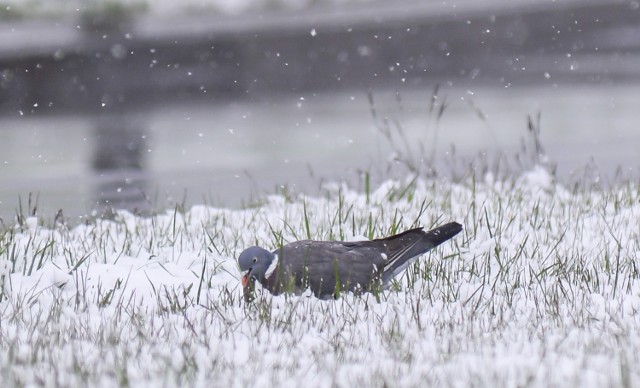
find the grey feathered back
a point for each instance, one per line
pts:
(328, 267)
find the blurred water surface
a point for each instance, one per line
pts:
(231, 153)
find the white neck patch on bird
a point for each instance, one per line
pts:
(272, 267)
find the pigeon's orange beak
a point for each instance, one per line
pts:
(245, 280)
(247, 287)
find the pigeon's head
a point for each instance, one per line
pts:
(255, 261)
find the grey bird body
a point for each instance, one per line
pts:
(330, 267)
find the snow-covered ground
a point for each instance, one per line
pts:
(541, 289)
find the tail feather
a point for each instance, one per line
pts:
(443, 233)
(411, 244)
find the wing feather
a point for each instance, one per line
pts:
(329, 266)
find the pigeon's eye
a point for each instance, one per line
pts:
(255, 259)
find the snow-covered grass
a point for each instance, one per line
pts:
(542, 288)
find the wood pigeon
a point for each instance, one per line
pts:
(329, 267)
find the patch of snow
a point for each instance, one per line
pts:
(538, 178)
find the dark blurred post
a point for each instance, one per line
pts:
(120, 136)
